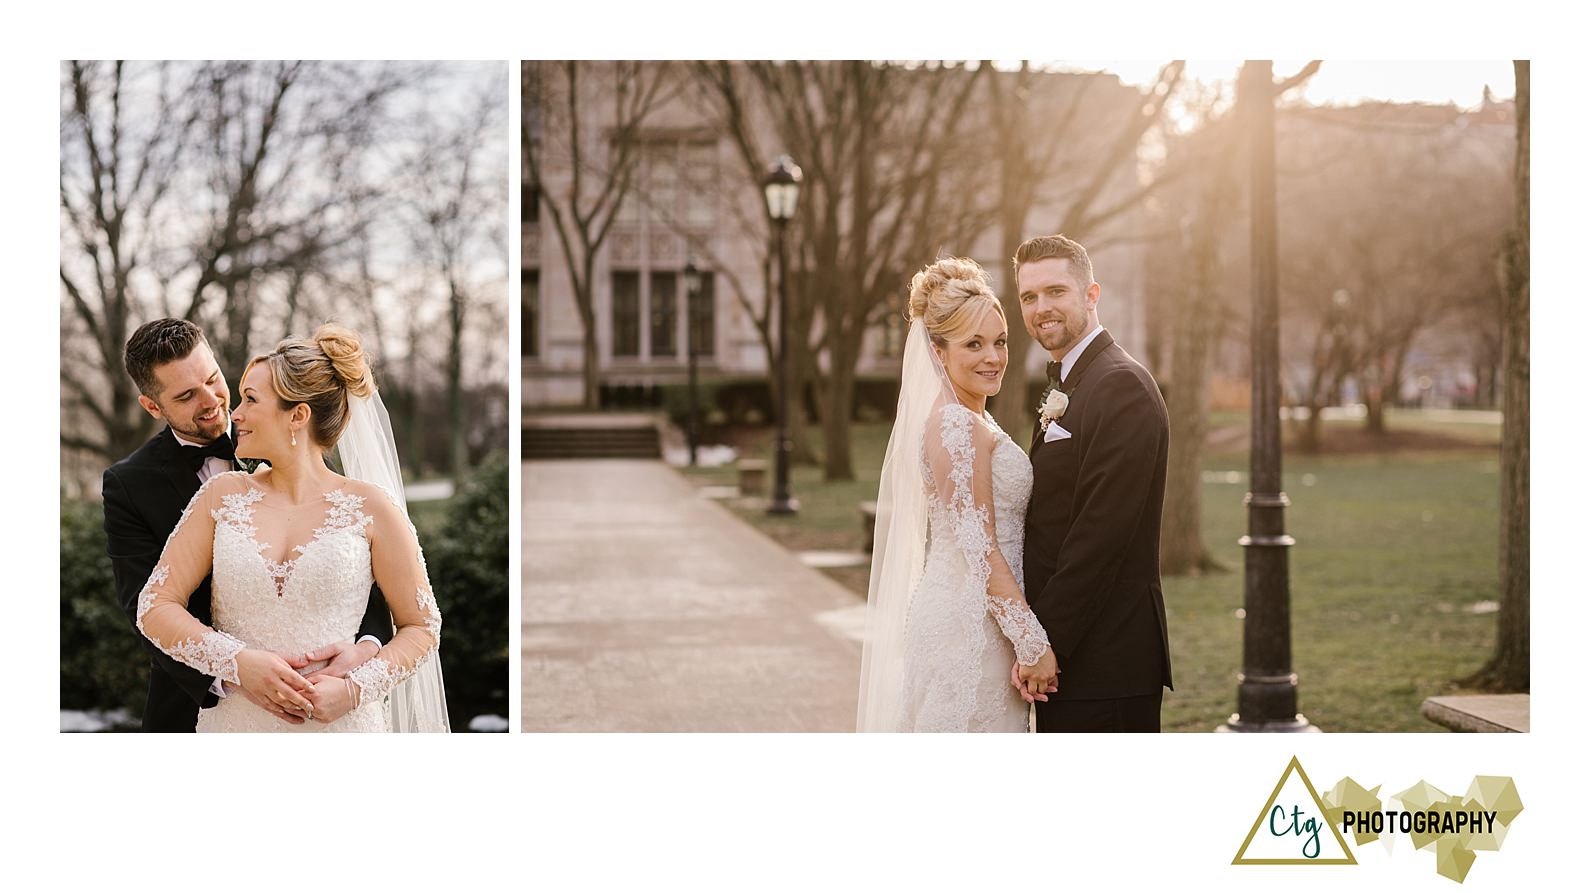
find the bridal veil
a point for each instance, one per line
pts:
(899, 540)
(369, 453)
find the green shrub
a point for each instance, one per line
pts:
(103, 664)
(468, 562)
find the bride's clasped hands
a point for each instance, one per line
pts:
(277, 685)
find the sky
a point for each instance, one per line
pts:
(1350, 82)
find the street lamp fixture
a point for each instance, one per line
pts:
(782, 187)
(1267, 686)
(692, 334)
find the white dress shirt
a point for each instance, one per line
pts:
(213, 465)
(1075, 353)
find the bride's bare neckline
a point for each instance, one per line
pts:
(334, 483)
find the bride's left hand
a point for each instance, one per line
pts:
(332, 697)
(1036, 682)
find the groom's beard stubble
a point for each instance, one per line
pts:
(203, 436)
(1062, 338)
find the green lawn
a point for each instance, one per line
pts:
(1394, 550)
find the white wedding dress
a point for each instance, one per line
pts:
(291, 579)
(961, 641)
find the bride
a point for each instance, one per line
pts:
(293, 549)
(946, 617)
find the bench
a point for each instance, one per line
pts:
(1479, 713)
(753, 477)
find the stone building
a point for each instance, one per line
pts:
(693, 201)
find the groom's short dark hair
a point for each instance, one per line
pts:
(157, 342)
(1044, 247)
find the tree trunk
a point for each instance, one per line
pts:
(589, 371)
(416, 430)
(802, 371)
(1196, 328)
(1399, 362)
(1508, 668)
(1182, 549)
(1010, 406)
(1324, 389)
(838, 404)
(1313, 439)
(459, 452)
(585, 299)
(1375, 398)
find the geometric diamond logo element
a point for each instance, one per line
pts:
(1293, 828)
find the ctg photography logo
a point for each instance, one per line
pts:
(1297, 826)
(1294, 827)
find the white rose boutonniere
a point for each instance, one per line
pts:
(1053, 406)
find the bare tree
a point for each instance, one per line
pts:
(1041, 160)
(255, 198)
(1508, 668)
(1200, 314)
(727, 95)
(457, 182)
(117, 169)
(582, 178)
(225, 183)
(889, 181)
(1393, 217)
(280, 145)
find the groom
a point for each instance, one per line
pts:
(180, 384)
(1092, 533)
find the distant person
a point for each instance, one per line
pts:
(252, 596)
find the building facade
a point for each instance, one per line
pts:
(692, 203)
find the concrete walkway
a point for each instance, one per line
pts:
(650, 608)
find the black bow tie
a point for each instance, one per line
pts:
(221, 448)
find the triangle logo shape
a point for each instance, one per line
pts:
(1291, 828)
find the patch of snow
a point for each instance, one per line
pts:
(94, 720)
(488, 723)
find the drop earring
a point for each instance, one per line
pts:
(295, 438)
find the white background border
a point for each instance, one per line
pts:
(769, 811)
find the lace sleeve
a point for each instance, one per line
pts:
(959, 456)
(399, 568)
(162, 612)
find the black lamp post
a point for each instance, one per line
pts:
(782, 187)
(692, 291)
(1267, 687)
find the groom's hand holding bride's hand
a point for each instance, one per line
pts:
(344, 657)
(332, 694)
(1037, 681)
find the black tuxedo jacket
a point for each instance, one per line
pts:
(144, 495)
(1092, 549)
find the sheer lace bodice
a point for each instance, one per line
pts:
(968, 620)
(290, 579)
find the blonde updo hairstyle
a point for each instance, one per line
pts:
(951, 296)
(321, 372)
